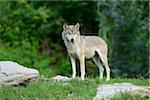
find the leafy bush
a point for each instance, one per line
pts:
(124, 25)
(27, 56)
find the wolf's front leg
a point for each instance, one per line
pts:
(82, 67)
(73, 62)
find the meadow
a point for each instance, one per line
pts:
(72, 90)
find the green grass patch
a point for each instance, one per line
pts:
(72, 90)
(128, 96)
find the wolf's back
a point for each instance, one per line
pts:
(93, 40)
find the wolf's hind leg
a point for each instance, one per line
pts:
(104, 60)
(96, 60)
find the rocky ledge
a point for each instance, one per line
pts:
(106, 91)
(12, 73)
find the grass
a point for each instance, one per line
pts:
(72, 90)
(128, 96)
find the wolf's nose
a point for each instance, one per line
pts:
(72, 40)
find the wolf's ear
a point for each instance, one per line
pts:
(77, 26)
(65, 26)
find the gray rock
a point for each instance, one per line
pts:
(60, 78)
(12, 73)
(107, 91)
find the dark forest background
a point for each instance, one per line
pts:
(30, 34)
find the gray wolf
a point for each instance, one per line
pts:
(85, 47)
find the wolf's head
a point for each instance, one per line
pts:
(71, 32)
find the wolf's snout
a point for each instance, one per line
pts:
(72, 40)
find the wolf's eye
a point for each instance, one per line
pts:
(68, 33)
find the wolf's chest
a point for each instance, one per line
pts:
(74, 50)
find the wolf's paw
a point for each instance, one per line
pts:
(100, 78)
(82, 78)
(107, 79)
(73, 76)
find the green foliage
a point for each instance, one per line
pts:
(65, 67)
(124, 25)
(30, 33)
(27, 56)
(20, 54)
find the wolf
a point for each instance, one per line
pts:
(85, 47)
